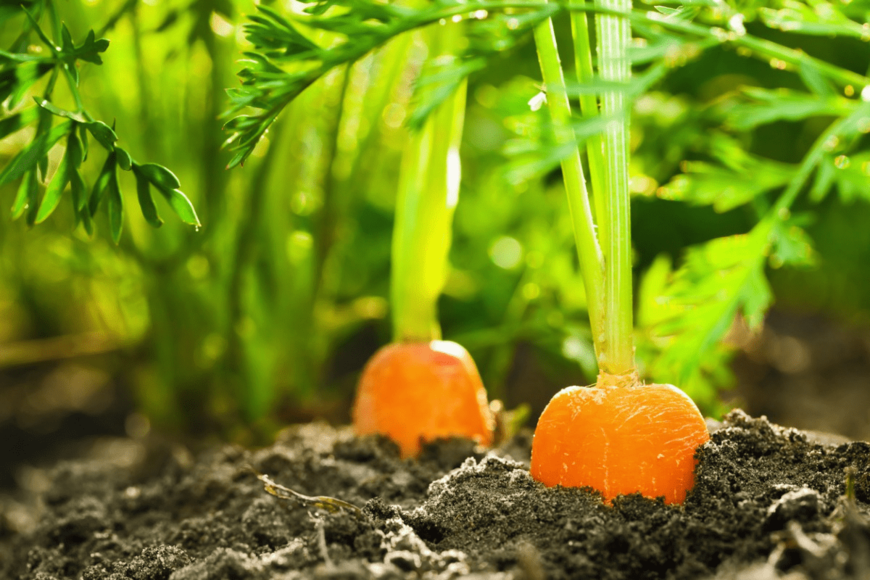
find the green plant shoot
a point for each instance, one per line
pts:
(428, 193)
(605, 258)
(19, 72)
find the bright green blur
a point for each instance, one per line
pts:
(267, 313)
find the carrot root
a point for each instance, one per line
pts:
(620, 440)
(421, 391)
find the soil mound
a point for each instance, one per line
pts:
(768, 502)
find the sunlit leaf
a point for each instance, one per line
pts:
(55, 110)
(791, 245)
(850, 174)
(16, 122)
(77, 191)
(724, 188)
(688, 316)
(27, 190)
(824, 179)
(805, 19)
(159, 176)
(815, 81)
(55, 188)
(285, 61)
(116, 206)
(101, 184)
(146, 202)
(652, 307)
(28, 157)
(181, 205)
(103, 134)
(125, 162)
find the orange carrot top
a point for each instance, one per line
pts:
(415, 392)
(620, 440)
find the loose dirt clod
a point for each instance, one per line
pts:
(767, 503)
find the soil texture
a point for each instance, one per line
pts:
(769, 502)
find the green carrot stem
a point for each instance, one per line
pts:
(591, 259)
(589, 108)
(614, 33)
(428, 191)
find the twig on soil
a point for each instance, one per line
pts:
(329, 504)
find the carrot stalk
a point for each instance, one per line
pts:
(589, 108)
(428, 191)
(591, 258)
(617, 355)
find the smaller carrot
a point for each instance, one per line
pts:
(421, 391)
(620, 440)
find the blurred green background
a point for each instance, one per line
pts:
(268, 313)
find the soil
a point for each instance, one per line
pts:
(768, 502)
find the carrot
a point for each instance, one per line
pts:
(419, 391)
(620, 440)
(420, 387)
(619, 436)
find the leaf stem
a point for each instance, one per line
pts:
(614, 32)
(591, 259)
(589, 109)
(428, 193)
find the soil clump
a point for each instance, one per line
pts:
(768, 502)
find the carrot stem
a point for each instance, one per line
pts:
(591, 258)
(589, 109)
(428, 191)
(613, 35)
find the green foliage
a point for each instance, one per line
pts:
(686, 313)
(745, 151)
(292, 52)
(19, 72)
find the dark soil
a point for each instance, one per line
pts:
(768, 503)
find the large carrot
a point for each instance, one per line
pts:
(618, 436)
(620, 440)
(421, 388)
